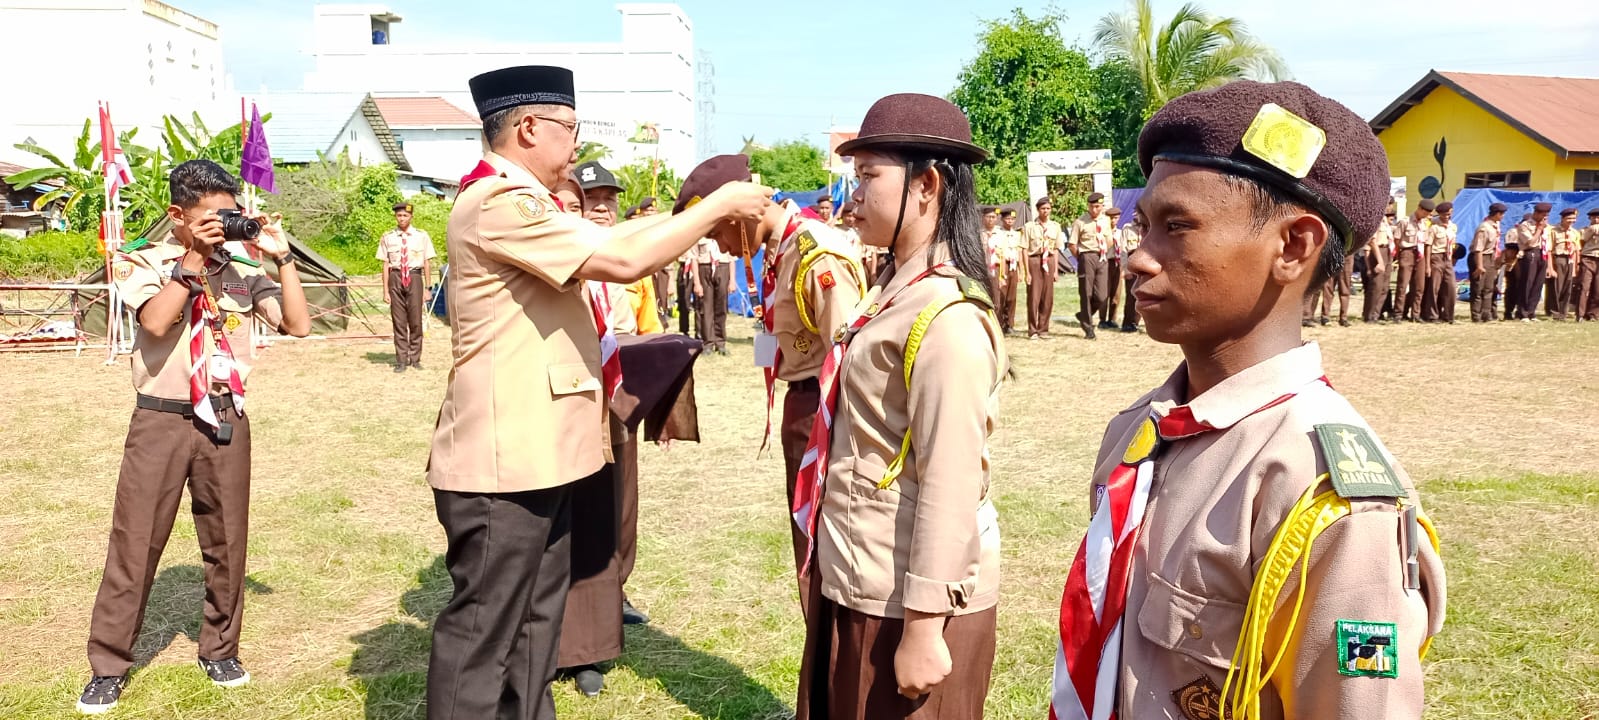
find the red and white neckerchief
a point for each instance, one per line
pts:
(405, 258)
(204, 317)
(768, 318)
(812, 478)
(1088, 656)
(610, 359)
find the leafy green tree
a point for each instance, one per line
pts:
(592, 152)
(792, 165)
(639, 181)
(1194, 50)
(1026, 91)
(82, 183)
(1117, 120)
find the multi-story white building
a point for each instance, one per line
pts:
(647, 78)
(145, 57)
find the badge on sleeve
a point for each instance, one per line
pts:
(827, 281)
(531, 209)
(1367, 649)
(123, 270)
(1356, 466)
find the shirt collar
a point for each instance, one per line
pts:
(1243, 394)
(912, 268)
(515, 172)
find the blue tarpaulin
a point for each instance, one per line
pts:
(1471, 208)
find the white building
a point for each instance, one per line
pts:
(645, 78)
(146, 58)
(434, 134)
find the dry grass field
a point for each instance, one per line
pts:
(1495, 423)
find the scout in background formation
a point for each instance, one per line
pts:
(506, 449)
(1375, 262)
(1042, 238)
(811, 285)
(904, 569)
(1483, 264)
(1267, 557)
(710, 272)
(1011, 246)
(1128, 239)
(1113, 270)
(1438, 298)
(1089, 242)
(1530, 238)
(1565, 240)
(1588, 277)
(193, 302)
(406, 252)
(1410, 242)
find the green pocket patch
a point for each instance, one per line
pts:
(1368, 649)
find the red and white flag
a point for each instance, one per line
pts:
(118, 174)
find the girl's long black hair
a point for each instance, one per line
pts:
(960, 220)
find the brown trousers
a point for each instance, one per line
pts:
(663, 283)
(1565, 282)
(1005, 307)
(1130, 306)
(1340, 285)
(162, 453)
(1530, 270)
(1113, 275)
(405, 309)
(1408, 291)
(1374, 281)
(1040, 294)
(1484, 276)
(1588, 289)
(1093, 282)
(604, 539)
(847, 670)
(1438, 303)
(711, 315)
(799, 411)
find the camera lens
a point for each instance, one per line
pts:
(235, 226)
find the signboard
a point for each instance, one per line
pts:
(1069, 162)
(835, 164)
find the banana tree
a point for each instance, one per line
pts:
(79, 180)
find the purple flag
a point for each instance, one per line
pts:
(255, 167)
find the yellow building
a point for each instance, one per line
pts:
(1513, 132)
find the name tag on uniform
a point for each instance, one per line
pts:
(765, 349)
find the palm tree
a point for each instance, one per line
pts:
(1193, 51)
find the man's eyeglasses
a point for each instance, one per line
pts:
(571, 126)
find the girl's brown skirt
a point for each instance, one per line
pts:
(847, 672)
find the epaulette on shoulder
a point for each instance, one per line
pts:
(974, 291)
(805, 243)
(1355, 464)
(242, 260)
(134, 245)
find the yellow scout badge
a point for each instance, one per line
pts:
(1289, 142)
(1143, 444)
(232, 323)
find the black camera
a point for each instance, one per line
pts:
(235, 226)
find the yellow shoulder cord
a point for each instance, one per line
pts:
(1291, 546)
(913, 343)
(1432, 536)
(806, 263)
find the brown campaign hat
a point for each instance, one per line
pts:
(923, 122)
(1283, 135)
(710, 175)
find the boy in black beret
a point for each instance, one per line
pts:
(1483, 264)
(1244, 503)
(1588, 274)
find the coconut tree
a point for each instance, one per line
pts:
(1194, 50)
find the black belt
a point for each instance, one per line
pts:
(395, 270)
(182, 407)
(811, 384)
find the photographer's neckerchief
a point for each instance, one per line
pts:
(1088, 657)
(204, 363)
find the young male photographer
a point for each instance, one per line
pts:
(193, 301)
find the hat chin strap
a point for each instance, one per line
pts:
(904, 197)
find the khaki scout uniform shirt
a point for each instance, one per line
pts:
(1129, 239)
(522, 410)
(1487, 238)
(1441, 238)
(1528, 237)
(930, 541)
(1590, 241)
(1564, 243)
(1216, 504)
(1038, 237)
(1412, 232)
(414, 244)
(832, 287)
(1091, 234)
(707, 252)
(1009, 245)
(242, 289)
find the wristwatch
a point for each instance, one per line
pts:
(285, 260)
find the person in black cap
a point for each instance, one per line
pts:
(1011, 248)
(1483, 264)
(902, 618)
(1588, 276)
(405, 253)
(507, 448)
(1091, 241)
(1438, 302)
(1272, 498)
(1531, 239)
(1564, 242)
(1410, 241)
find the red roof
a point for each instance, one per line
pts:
(1557, 112)
(424, 112)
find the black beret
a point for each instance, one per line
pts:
(1427, 205)
(1096, 197)
(1114, 212)
(709, 176)
(631, 211)
(848, 207)
(1283, 135)
(1542, 207)
(592, 176)
(1007, 212)
(1497, 208)
(824, 199)
(1568, 211)
(1593, 212)
(510, 87)
(1042, 202)
(919, 122)
(1445, 206)
(989, 209)
(403, 206)
(647, 203)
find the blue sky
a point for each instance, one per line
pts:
(789, 70)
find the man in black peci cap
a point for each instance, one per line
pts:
(1483, 264)
(524, 413)
(1276, 501)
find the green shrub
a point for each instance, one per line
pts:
(49, 255)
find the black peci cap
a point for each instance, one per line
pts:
(1568, 211)
(511, 87)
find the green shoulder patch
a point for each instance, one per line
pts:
(242, 260)
(1357, 468)
(974, 291)
(134, 245)
(805, 243)
(1367, 649)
